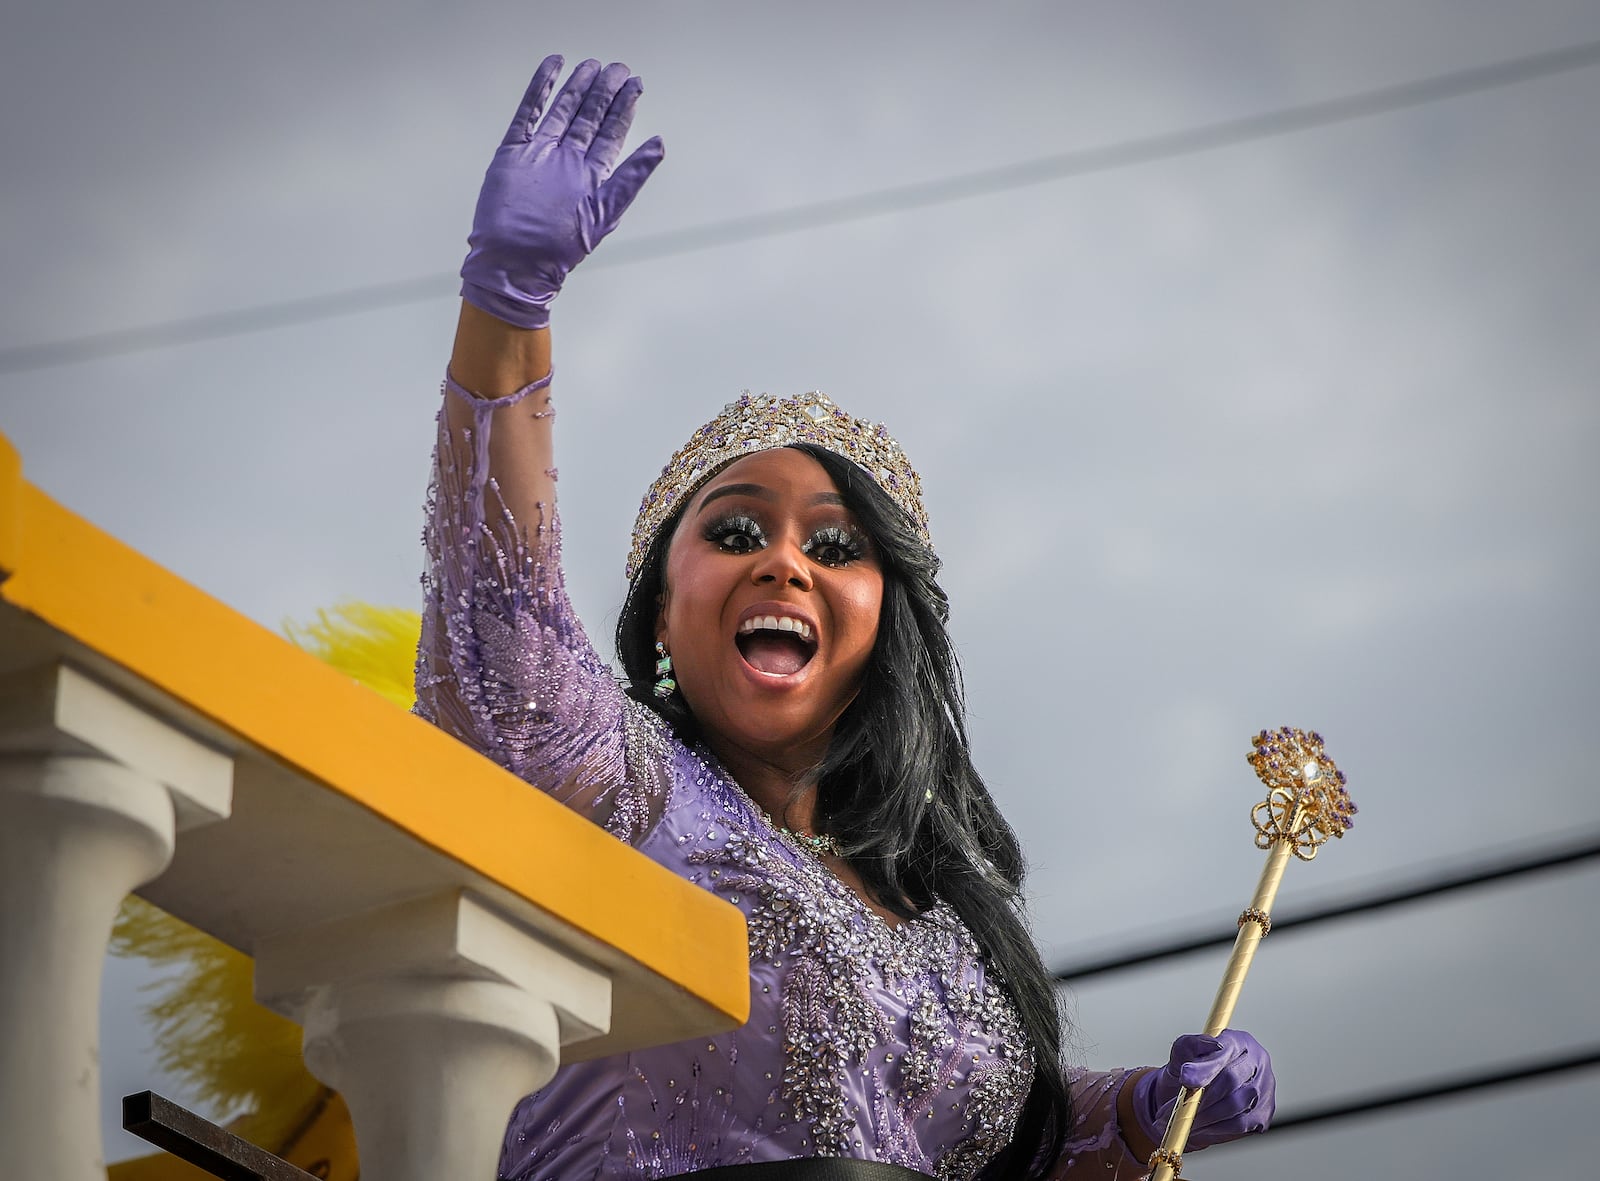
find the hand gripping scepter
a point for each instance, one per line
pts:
(1306, 804)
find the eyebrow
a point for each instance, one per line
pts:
(762, 492)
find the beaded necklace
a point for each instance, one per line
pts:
(816, 845)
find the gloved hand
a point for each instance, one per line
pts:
(1239, 1087)
(554, 189)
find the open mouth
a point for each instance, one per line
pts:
(776, 645)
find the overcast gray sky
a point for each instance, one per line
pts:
(1296, 431)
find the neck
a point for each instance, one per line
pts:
(771, 781)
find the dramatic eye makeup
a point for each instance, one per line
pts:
(836, 545)
(830, 545)
(735, 534)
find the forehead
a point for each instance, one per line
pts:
(782, 471)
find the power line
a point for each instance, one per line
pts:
(217, 325)
(1379, 898)
(1191, 141)
(1499, 1076)
(819, 214)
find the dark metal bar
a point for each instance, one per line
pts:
(1379, 899)
(202, 1143)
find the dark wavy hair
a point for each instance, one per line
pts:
(903, 736)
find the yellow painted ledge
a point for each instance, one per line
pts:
(114, 602)
(10, 505)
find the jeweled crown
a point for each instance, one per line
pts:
(761, 423)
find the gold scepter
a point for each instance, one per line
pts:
(1306, 804)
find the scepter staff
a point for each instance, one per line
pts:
(1306, 804)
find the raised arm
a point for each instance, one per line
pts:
(504, 664)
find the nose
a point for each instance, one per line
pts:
(782, 562)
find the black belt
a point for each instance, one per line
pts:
(811, 1168)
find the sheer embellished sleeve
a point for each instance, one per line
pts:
(503, 663)
(1095, 1146)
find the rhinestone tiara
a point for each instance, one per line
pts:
(761, 423)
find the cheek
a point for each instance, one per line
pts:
(859, 609)
(690, 605)
(677, 587)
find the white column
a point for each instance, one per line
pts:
(432, 1018)
(79, 829)
(76, 834)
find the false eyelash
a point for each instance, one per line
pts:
(834, 535)
(725, 527)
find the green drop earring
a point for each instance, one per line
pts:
(665, 685)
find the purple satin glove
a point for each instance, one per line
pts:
(1239, 1087)
(554, 189)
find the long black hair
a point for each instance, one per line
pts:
(903, 737)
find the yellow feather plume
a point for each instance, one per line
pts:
(374, 645)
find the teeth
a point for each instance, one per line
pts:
(774, 623)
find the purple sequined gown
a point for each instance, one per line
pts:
(865, 1039)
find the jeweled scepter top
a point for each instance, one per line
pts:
(1306, 804)
(1306, 798)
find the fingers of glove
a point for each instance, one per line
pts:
(596, 102)
(544, 80)
(1246, 1088)
(618, 192)
(1243, 1083)
(1226, 1102)
(554, 124)
(1196, 1059)
(607, 145)
(1238, 1113)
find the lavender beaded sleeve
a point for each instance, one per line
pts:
(503, 663)
(1095, 1146)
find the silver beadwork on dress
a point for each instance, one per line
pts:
(911, 1003)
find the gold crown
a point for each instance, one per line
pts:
(761, 423)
